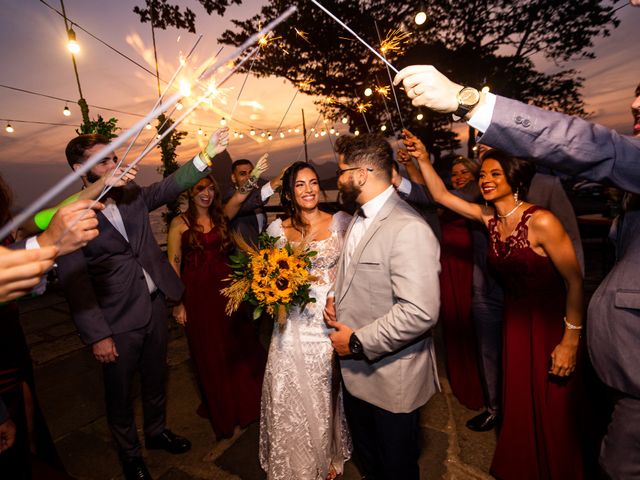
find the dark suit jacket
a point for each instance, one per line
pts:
(246, 222)
(104, 283)
(594, 152)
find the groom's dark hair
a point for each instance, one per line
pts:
(367, 150)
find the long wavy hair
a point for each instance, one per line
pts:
(6, 201)
(287, 195)
(218, 218)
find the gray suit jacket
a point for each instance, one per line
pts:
(104, 283)
(594, 152)
(390, 295)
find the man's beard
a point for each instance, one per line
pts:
(349, 192)
(92, 177)
(636, 121)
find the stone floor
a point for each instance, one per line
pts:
(69, 387)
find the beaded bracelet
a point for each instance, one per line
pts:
(571, 326)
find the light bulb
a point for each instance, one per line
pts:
(242, 135)
(235, 134)
(223, 121)
(9, 128)
(289, 130)
(263, 134)
(356, 133)
(337, 134)
(199, 131)
(252, 132)
(72, 44)
(179, 106)
(297, 130)
(421, 17)
(316, 135)
(485, 89)
(158, 136)
(281, 134)
(419, 116)
(345, 120)
(66, 112)
(323, 132)
(325, 120)
(148, 126)
(383, 128)
(313, 129)
(368, 92)
(332, 131)
(270, 137)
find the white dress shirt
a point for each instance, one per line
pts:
(481, 118)
(360, 226)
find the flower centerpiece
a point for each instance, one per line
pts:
(270, 278)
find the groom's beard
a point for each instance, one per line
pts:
(92, 177)
(349, 192)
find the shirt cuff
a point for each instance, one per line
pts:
(481, 119)
(331, 294)
(405, 186)
(266, 191)
(32, 243)
(199, 164)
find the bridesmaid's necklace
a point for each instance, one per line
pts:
(513, 210)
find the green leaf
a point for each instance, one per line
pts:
(257, 312)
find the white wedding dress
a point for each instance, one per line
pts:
(303, 429)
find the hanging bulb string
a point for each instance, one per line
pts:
(283, 117)
(393, 88)
(308, 136)
(74, 176)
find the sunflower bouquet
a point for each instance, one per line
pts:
(270, 278)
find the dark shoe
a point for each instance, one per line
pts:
(483, 422)
(168, 441)
(135, 469)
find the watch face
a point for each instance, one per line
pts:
(468, 96)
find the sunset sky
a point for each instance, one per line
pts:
(34, 57)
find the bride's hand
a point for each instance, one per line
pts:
(329, 313)
(180, 314)
(563, 360)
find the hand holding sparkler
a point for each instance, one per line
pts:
(261, 167)
(218, 142)
(415, 147)
(427, 87)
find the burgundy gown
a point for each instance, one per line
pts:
(540, 435)
(228, 358)
(456, 290)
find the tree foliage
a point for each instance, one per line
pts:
(475, 42)
(165, 15)
(101, 126)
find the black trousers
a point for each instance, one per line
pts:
(143, 350)
(385, 443)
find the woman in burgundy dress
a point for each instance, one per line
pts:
(533, 256)
(227, 356)
(456, 290)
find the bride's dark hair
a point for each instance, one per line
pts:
(287, 194)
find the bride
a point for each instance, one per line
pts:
(303, 431)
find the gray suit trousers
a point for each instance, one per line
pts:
(619, 453)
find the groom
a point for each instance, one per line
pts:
(386, 302)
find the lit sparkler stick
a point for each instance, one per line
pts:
(373, 50)
(395, 97)
(362, 107)
(303, 35)
(76, 175)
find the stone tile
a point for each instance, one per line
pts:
(87, 456)
(62, 329)
(39, 321)
(50, 350)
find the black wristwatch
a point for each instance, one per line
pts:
(468, 98)
(355, 347)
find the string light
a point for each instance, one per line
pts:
(368, 92)
(242, 135)
(252, 132)
(281, 134)
(297, 130)
(419, 117)
(337, 134)
(345, 120)
(383, 128)
(199, 131)
(9, 128)
(66, 112)
(179, 106)
(158, 136)
(148, 126)
(263, 134)
(332, 131)
(289, 131)
(420, 18)
(323, 132)
(316, 135)
(223, 121)
(72, 44)
(235, 134)
(357, 132)
(270, 137)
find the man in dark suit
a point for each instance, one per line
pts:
(594, 152)
(250, 220)
(116, 288)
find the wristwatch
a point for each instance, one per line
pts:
(467, 98)
(355, 347)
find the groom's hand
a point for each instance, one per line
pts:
(340, 338)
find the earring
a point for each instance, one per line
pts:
(515, 196)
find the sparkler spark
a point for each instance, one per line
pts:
(303, 35)
(363, 107)
(393, 42)
(384, 91)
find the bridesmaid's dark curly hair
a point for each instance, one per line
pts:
(287, 194)
(517, 171)
(218, 218)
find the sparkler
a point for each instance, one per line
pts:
(395, 97)
(392, 43)
(344, 25)
(303, 35)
